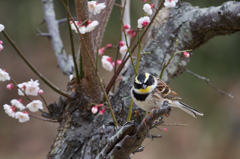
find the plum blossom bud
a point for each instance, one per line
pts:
(4, 76)
(170, 3)
(143, 22)
(94, 109)
(101, 112)
(186, 54)
(1, 46)
(127, 26)
(147, 8)
(22, 116)
(107, 63)
(119, 62)
(1, 27)
(109, 46)
(131, 33)
(40, 91)
(164, 129)
(121, 43)
(101, 51)
(10, 86)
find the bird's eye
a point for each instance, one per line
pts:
(137, 85)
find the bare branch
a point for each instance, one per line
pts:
(65, 63)
(208, 82)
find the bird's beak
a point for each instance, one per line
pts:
(144, 86)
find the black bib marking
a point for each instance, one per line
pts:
(140, 97)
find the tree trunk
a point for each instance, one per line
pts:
(86, 136)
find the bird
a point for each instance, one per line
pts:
(149, 92)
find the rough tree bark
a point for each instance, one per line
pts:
(84, 135)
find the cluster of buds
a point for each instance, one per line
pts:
(96, 107)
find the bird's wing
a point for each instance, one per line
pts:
(165, 91)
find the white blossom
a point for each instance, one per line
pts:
(4, 76)
(32, 87)
(16, 103)
(9, 110)
(1, 27)
(143, 21)
(107, 63)
(170, 3)
(35, 105)
(92, 25)
(95, 7)
(73, 27)
(123, 49)
(21, 89)
(82, 29)
(22, 116)
(147, 8)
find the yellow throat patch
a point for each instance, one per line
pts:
(146, 90)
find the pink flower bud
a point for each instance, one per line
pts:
(113, 63)
(121, 43)
(40, 91)
(109, 45)
(101, 112)
(164, 129)
(119, 62)
(101, 51)
(186, 54)
(152, 5)
(127, 26)
(10, 86)
(131, 33)
(1, 42)
(94, 109)
(20, 100)
(100, 105)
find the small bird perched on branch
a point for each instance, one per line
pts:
(149, 92)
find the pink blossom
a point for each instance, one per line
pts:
(121, 43)
(17, 104)
(9, 110)
(101, 51)
(143, 22)
(94, 109)
(10, 86)
(127, 26)
(109, 46)
(32, 87)
(186, 54)
(131, 33)
(101, 112)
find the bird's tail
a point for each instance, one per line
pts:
(187, 109)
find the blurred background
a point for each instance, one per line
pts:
(214, 136)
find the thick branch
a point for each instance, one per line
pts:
(65, 63)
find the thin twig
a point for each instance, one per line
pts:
(43, 119)
(151, 136)
(210, 84)
(45, 80)
(72, 46)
